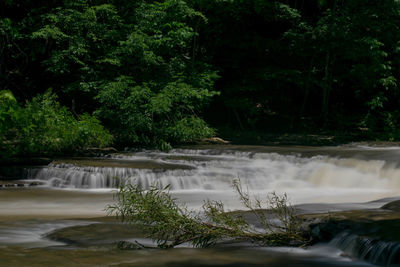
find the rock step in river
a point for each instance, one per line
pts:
(307, 175)
(19, 183)
(372, 235)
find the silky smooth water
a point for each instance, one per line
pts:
(193, 175)
(316, 179)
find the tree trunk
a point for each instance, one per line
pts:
(307, 88)
(327, 84)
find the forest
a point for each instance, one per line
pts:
(97, 73)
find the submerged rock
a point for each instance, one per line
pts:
(97, 234)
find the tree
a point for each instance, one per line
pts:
(139, 67)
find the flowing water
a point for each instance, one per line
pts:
(71, 192)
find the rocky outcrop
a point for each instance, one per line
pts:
(13, 184)
(97, 234)
(371, 235)
(393, 206)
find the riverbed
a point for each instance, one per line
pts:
(74, 192)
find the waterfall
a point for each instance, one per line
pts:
(303, 178)
(369, 249)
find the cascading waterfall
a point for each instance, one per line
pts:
(72, 176)
(320, 180)
(214, 170)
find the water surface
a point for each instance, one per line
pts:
(74, 192)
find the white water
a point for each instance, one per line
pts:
(77, 189)
(314, 179)
(30, 233)
(366, 248)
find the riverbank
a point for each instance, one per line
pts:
(226, 137)
(316, 138)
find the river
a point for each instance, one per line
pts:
(74, 192)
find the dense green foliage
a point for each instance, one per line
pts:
(289, 65)
(171, 224)
(131, 65)
(43, 126)
(151, 70)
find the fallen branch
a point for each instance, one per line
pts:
(170, 224)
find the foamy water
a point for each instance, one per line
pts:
(210, 174)
(82, 188)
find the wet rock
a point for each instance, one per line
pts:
(371, 235)
(393, 206)
(98, 234)
(120, 163)
(367, 215)
(368, 248)
(17, 172)
(94, 151)
(21, 183)
(7, 162)
(212, 141)
(125, 245)
(375, 222)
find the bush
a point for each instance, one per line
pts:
(143, 115)
(90, 133)
(43, 126)
(9, 113)
(187, 130)
(8, 108)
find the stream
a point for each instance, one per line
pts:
(54, 215)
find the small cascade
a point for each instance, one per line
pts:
(196, 175)
(16, 172)
(369, 249)
(321, 182)
(72, 176)
(214, 170)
